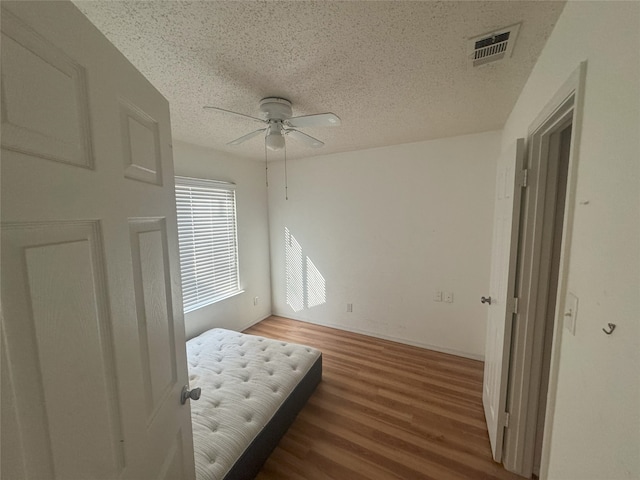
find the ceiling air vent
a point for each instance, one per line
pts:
(493, 46)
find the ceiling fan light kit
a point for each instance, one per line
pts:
(274, 139)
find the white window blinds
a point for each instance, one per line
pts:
(208, 241)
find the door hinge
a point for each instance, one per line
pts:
(523, 177)
(505, 419)
(513, 305)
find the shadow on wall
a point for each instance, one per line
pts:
(305, 284)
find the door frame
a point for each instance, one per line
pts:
(564, 108)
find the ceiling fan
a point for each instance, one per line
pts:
(279, 123)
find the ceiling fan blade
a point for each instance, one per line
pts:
(317, 120)
(235, 113)
(246, 137)
(304, 138)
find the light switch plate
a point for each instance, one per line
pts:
(571, 312)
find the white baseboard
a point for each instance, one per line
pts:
(253, 322)
(405, 341)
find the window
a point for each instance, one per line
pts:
(208, 241)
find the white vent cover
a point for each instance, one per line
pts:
(493, 46)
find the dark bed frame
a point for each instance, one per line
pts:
(251, 461)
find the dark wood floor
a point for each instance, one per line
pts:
(384, 410)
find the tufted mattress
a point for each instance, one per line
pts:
(252, 389)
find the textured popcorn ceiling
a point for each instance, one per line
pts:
(394, 72)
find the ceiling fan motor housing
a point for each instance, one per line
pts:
(274, 108)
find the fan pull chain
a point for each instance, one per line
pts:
(266, 165)
(286, 187)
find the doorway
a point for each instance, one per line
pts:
(563, 141)
(540, 286)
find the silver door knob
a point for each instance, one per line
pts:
(485, 300)
(192, 394)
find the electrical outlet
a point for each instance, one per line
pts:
(349, 307)
(437, 296)
(448, 297)
(255, 300)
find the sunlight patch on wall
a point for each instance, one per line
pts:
(305, 284)
(295, 275)
(316, 291)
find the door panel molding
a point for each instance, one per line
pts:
(173, 465)
(153, 310)
(48, 261)
(141, 144)
(39, 81)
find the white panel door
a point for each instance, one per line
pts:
(502, 290)
(93, 347)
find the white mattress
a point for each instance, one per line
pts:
(244, 380)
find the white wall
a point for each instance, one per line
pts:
(596, 423)
(386, 228)
(235, 313)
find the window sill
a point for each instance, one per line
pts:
(213, 302)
